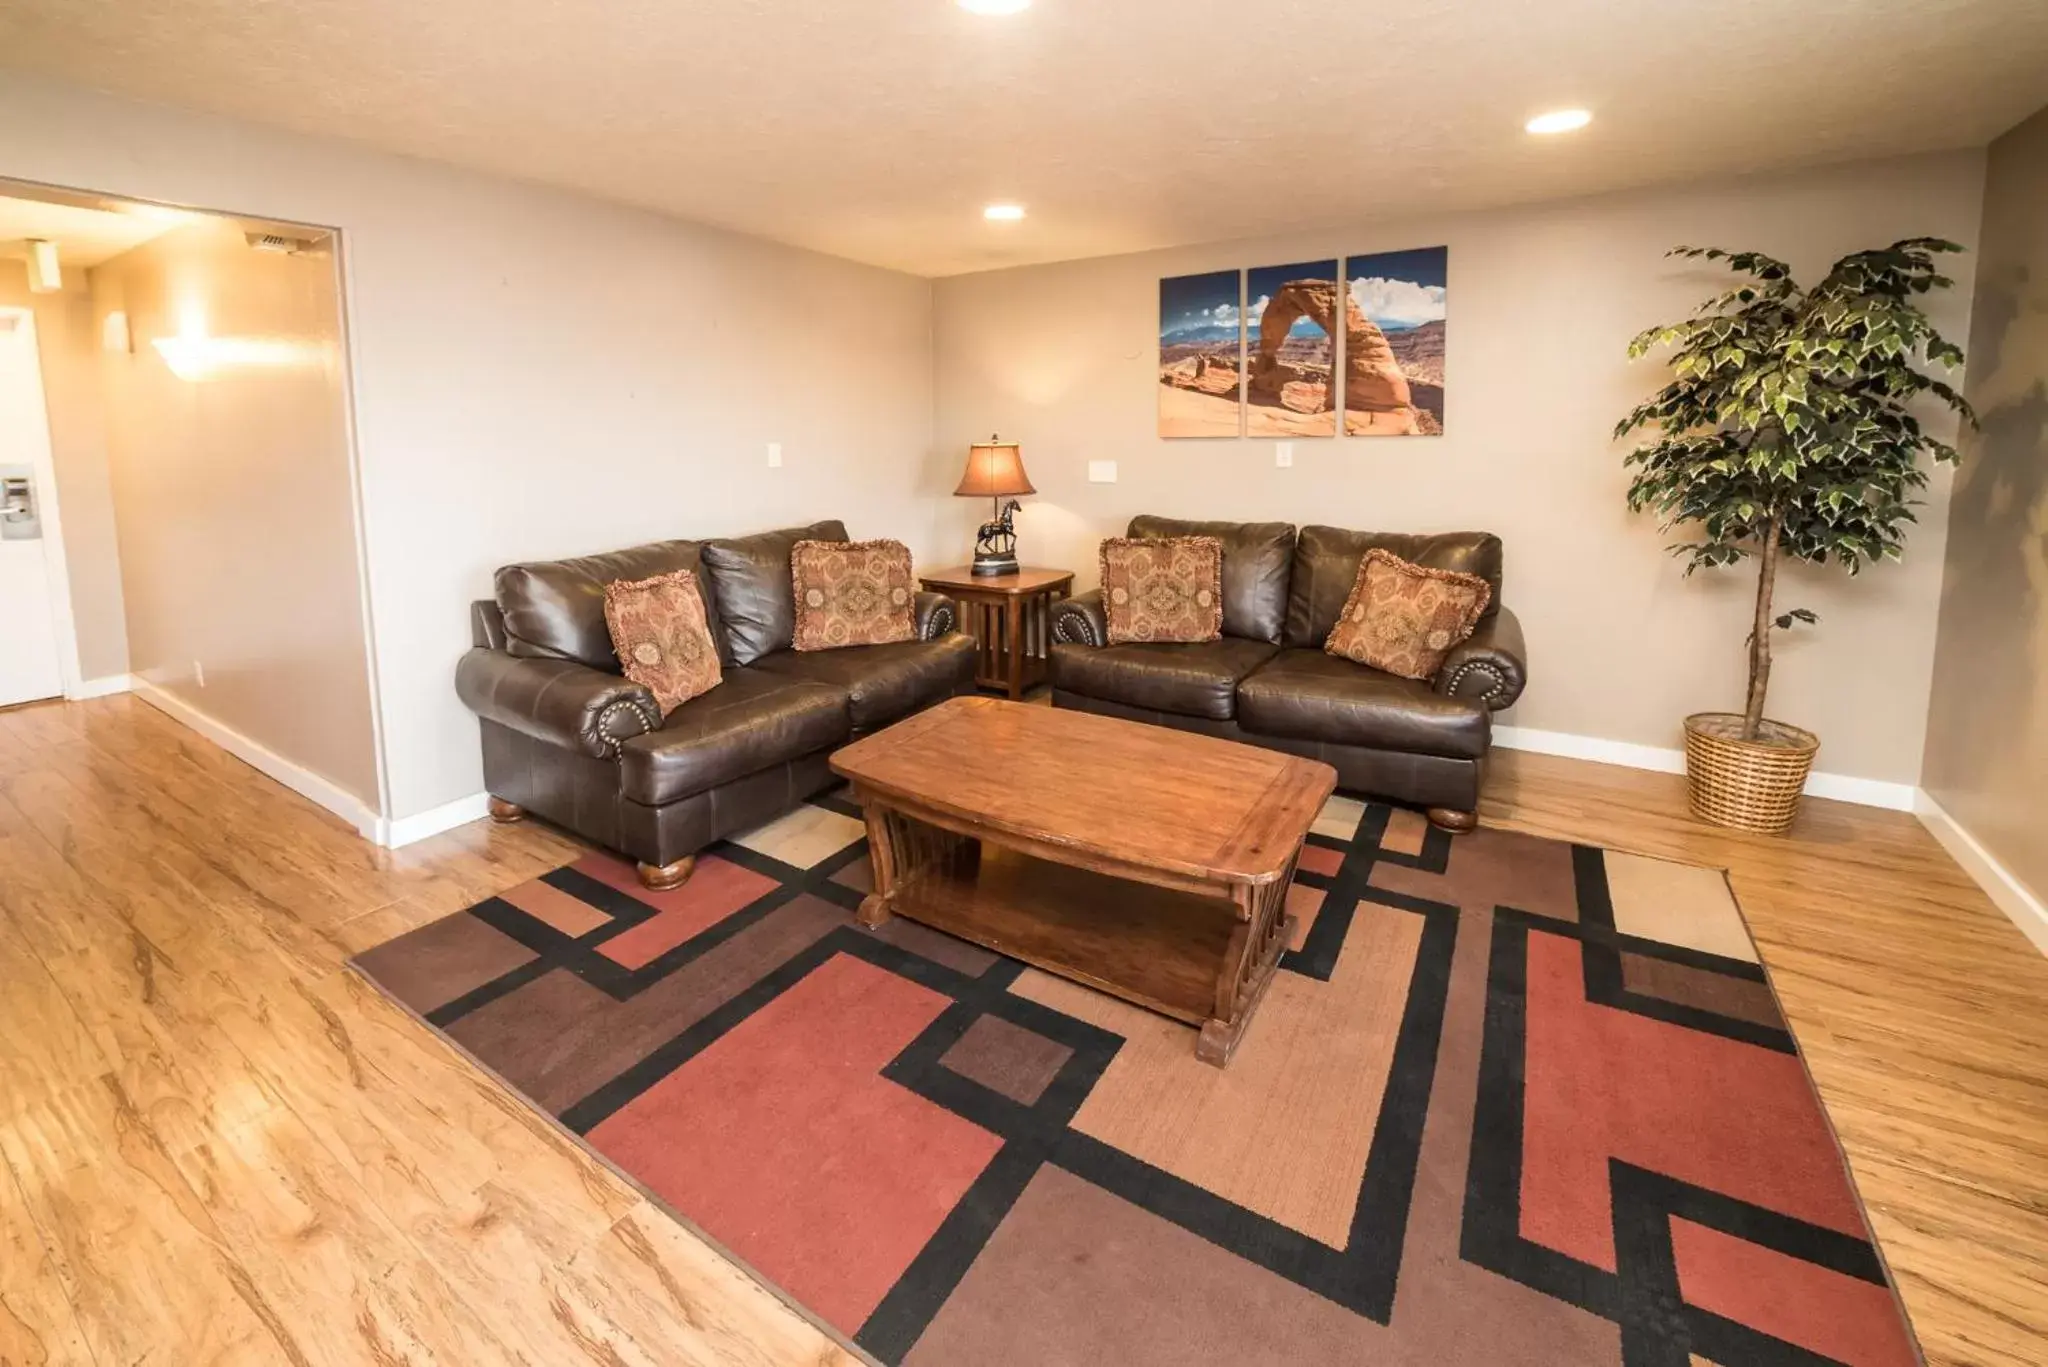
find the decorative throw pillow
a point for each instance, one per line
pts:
(1404, 618)
(663, 636)
(1163, 589)
(851, 593)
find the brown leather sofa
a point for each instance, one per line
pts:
(567, 737)
(1268, 681)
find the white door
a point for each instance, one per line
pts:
(30, 665)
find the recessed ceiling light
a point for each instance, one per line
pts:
(995, 6)
(1003, 213)
(1559, 121)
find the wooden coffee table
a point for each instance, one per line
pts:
(1146, 862)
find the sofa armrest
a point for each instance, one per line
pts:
(558, 701)
(936, 615)
(1490, 666)
(1080, 621)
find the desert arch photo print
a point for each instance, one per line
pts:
(1394, 343)
(1290, 319)
(1201, 355)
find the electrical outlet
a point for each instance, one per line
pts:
(775, 455)
(1283, 454)
(1102, 472)
(199, 673)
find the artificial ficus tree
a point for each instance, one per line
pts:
(1787, 428)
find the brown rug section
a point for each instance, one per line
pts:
(1509, 1102)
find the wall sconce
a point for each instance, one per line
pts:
(44, 275)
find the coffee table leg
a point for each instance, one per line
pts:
(1247, 970)
(902, 849)
(874, 908)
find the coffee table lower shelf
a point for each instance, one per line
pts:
(1200, 957)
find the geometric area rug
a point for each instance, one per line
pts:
(1508, 1101)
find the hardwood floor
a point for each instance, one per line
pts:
(221, 1147)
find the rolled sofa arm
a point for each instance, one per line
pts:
(1080, 621)
(1490, 666)
(936, 616)
(558, 701)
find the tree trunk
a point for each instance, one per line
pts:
(1760, 634)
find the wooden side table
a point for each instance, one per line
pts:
(1010, 618)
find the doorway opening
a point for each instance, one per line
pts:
(179, 515)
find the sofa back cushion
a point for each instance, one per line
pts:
(1326, 561)
(754, 601)
(1256, 558)
(555, 608)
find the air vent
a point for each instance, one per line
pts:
(289, 246)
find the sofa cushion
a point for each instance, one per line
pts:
(1405, 618)
(1163, 589)
(554, 609)
(663, 636)
(751, 590)
(1308, 695)
(885, 683)
(752, 721)
(1198, 680)
(1257, 558)
(852, 593)
(1326, 566)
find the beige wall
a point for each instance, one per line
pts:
(1542, 304)
(1987, 736)
(539, 374)
(234, 499)
(68, 349)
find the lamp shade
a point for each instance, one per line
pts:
(995, 469)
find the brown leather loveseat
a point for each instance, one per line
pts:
(1268, 681)
(567, 737)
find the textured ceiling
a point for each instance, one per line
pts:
(877, 130)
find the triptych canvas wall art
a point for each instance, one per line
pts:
(1201, 355)
(1258, 353)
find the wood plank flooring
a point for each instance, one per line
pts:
(221, 1147)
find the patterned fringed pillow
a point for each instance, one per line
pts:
(852, 593)
(663, 636)
(1404, 618)
(1163, 589)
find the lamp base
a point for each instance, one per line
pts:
(985, 564)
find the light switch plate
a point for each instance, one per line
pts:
(775, 455)
(1102, 472)
(1283, 454)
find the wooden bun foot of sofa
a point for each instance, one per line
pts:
(505, 813)
(662, 877)
(1452, 820)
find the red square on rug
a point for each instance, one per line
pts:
(786, 1145)
(715, 891)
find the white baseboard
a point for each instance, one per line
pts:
(296, 777)
(2013, 897)
(102, 688)
(1868, 792)
(408, 829)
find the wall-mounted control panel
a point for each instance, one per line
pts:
(21, 517)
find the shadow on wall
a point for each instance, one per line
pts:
(1997, 582)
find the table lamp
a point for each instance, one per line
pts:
(995, 471)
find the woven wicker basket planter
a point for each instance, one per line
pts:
(1752, 785)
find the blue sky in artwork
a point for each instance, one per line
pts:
(1400, 290)
(1198, 308)
(1265, 281)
